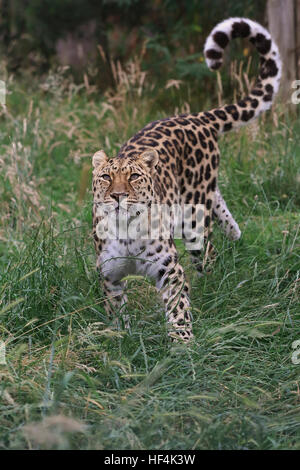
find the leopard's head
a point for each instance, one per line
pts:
(124, 180)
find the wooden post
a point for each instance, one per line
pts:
(281, 19)
(297, 27)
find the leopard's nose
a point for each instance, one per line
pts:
(118, 196)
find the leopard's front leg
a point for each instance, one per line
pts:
(172, 285)
(175, 293)
(115, 298)
(111, 271)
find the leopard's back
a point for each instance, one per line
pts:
(188, 157)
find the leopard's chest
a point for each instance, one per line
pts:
(119, 258)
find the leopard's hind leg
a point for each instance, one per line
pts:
(224, 217)
(203, 259)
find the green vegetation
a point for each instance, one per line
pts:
(89, 384)
(34, 35)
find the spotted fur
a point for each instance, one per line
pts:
(224, 217)
(175, 161)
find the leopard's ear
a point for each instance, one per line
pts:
(150, 158)
(99, 158)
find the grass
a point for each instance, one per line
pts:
(71, 379)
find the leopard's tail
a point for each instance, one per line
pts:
(262, 94)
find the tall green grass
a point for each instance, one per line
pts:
(72, 379)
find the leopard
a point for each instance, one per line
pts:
(175, 161)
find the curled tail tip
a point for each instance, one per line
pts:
(233, 28)
(261, 97)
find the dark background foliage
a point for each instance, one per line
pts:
(173, 32)
(72, 378)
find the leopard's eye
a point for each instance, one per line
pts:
(106, 177)
(134, 176)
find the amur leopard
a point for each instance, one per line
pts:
(175, 161)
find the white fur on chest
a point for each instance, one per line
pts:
(120, 258)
